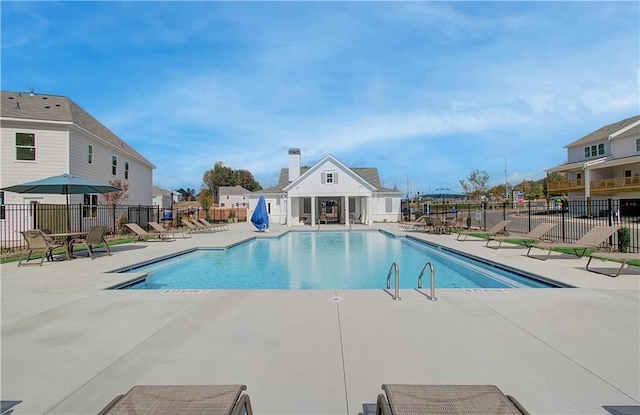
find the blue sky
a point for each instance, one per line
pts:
(425, 91)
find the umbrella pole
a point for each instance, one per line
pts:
(68, 212)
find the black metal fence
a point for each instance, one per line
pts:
(73, 218)
(573, 218)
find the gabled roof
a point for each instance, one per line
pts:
(603, 133)
(233, 190)
(59, 109)
(336, 162)
(368, 174)
(155, 190)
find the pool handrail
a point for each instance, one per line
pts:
(393, 267)
(431, 297)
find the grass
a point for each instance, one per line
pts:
(562, 250)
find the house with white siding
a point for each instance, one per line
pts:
(328, 192)
(46, 135)
(604, 164)
(232, 196)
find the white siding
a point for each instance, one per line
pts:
(51, 157)
(626, 146)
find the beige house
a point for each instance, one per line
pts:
(233, 196)
(47, 135)
(604, 164)
(328, 192)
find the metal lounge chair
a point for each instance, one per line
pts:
(171, 233)
(200, 227)
(623, 257)
(529, 238)
(181, 400)
(214, 226)
(446, 399)
(142, 235)
(37, 241)
(420, 222)
(94, 237)
(590, 240)
(192, 227)
(497, 228)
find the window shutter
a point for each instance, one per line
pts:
(323, 178)
(335, 178)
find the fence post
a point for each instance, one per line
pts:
(529, 206)
(563, 210)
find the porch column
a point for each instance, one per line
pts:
(288, 219)
(346, 211)
(313, 211)
(369, 216)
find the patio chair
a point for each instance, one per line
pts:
(421, 222)
(200, 227)
(94, 237)
(142, 235)
(623, 257)
(37, 241)
(529, 238)
(192, 227)
(597, 236)
(171, 233)
(181, 399)
(446, 399)
(214, 226)
(496, 229)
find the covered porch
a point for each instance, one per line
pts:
(338, 210)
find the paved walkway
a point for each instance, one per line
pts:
(69, 346)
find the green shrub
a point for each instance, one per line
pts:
(624, 239)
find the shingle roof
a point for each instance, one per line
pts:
(42, 107)
(233, 190)
(603, 133)
(155, 190)
(369, 174)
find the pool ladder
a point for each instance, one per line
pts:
(394, 268)
(431, 297)
(396, 295)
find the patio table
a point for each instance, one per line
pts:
(66, 238)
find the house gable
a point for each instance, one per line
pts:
(329, 177)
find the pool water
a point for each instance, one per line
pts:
(324, 260)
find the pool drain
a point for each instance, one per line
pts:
(336, 299)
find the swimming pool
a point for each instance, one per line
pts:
(325, 260)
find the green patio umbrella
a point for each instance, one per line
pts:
(64, 184)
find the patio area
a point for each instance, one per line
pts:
(69, 346)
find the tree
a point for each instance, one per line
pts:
(497, 192)
(220, 175)
(117, 197)
(206, 201)
(113, 199)
(476, 185)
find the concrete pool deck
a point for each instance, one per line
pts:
(69, 346)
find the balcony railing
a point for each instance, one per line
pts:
(618, 184)
(566, 186)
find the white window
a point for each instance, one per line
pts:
(638, 145)
(90, 154)
(2, 211)
(90, 208)
(329, 177)
(126, 170)
(26, 146)
(114, 165)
